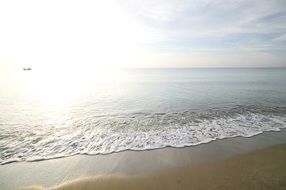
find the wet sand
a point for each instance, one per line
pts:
(137, 167)
(261, 169)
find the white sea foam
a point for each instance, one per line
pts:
(137, 131)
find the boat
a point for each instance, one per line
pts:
(27, 68)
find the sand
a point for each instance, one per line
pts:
(131, 163)
(262, 169)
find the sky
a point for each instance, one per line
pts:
(69, 34)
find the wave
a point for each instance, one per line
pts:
(135, 131)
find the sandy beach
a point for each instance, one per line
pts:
(262, 169)
(143, 167)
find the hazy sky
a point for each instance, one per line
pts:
(142, 33)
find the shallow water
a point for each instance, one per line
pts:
(48, 114)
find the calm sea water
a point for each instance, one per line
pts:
(48, 114)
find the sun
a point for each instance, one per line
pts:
(93, 35)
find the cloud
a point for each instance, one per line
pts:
(183, 20)
(220, 31)
(280, 38)
(136, 31)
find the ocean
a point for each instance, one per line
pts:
(52, 114)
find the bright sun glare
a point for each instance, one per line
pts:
(61, 88)
(71, 35)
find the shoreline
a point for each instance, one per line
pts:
(131, 163)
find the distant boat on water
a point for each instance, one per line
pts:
(27, 68)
